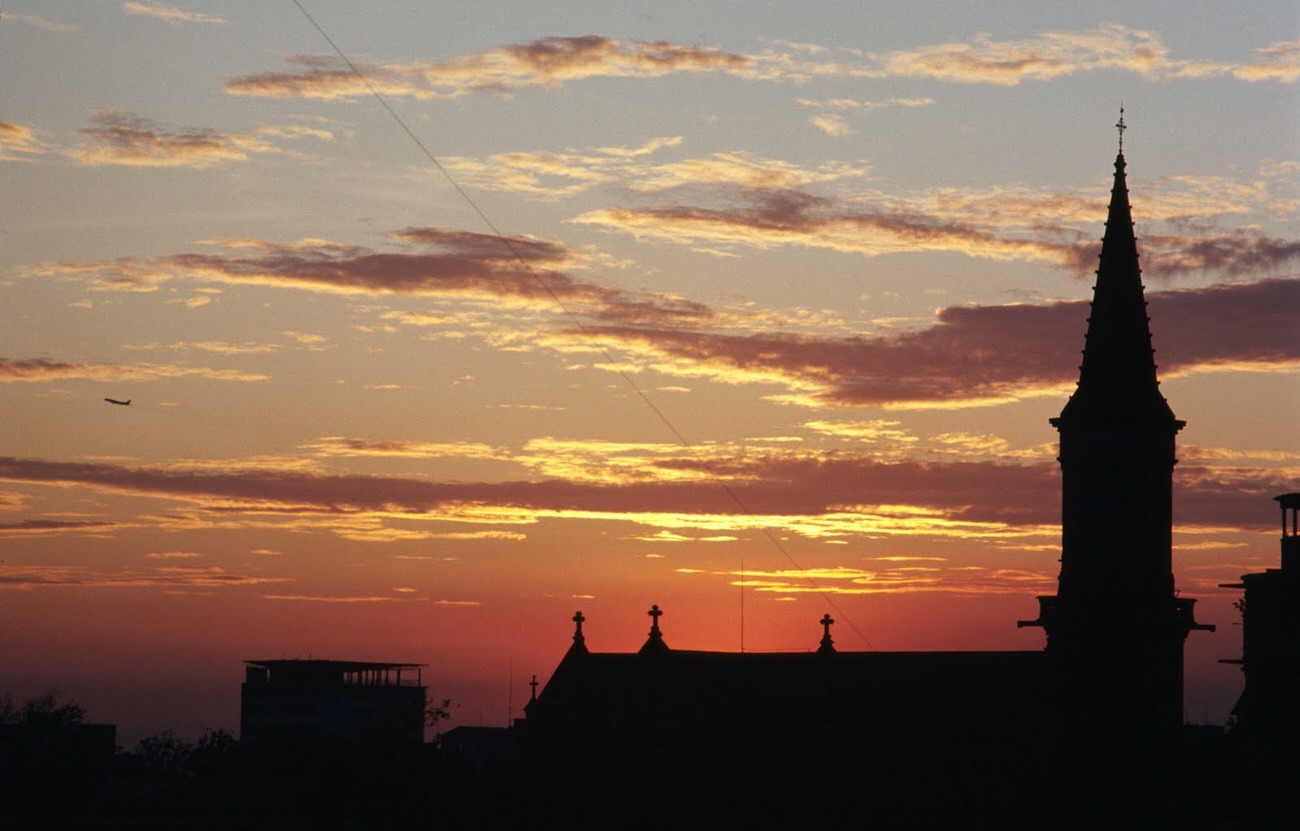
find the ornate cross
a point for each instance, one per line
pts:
(578, 619)
(654, 614)
(1121, 126)
(827, 645)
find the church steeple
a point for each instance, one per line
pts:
(1117, 380)
(1116, 627)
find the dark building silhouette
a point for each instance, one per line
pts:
(1116, 627)
(1092, 722)
(1268, 712)
(360, 704)
(49, 767)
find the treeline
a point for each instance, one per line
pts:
(57, 771)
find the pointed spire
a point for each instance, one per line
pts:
(1117, 380)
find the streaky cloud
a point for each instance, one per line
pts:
(28, 578)
(43, 369)
(55, 527)
(546, 62)
(18, 142)
(834, 492)
(170, 14)
(430, 262)
(123, 138)
(985, 354)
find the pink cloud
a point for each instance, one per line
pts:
(118, 137)
(991, 352)
(433, 261)
(1050, 231)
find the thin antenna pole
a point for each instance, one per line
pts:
(742, 600)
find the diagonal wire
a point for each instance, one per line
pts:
(585, 331)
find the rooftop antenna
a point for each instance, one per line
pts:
(1121, 126)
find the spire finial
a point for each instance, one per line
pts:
(827, 645)
(1121, 126)
(654, 644)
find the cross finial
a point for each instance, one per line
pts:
(1121, 126)
(654, 614)
(827, 645)
(533, 684)
(578, 619)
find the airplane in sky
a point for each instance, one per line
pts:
(125, 403)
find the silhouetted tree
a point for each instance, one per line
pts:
(213, 747)
(164, 755)
(435, 712)
(48, 708)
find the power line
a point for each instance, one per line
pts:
(586, 332)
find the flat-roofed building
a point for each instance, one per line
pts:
(364, 704)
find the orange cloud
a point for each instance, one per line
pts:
(42, 369)
(551, 62)
(17, 142)
(343, 446)
(1050, 55)
(547, 62)
(54, 527)
(554, 175)
(40, 577)
(841, 580)
(826, 494)
(1277, 62)
(324, 598)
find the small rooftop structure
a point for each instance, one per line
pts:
(329, 673)
(364, 704)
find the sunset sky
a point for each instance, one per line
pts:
(754, 310)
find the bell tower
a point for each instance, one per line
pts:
(1116, 627)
